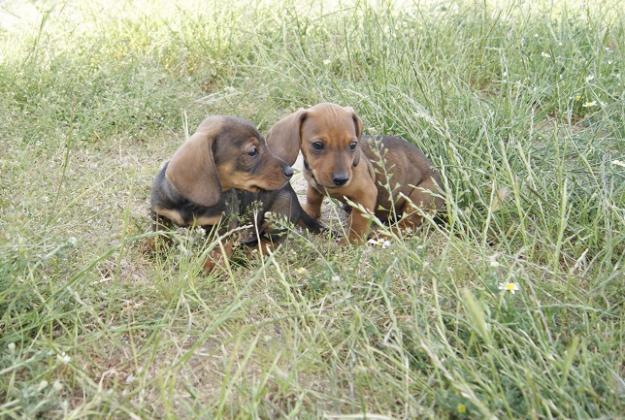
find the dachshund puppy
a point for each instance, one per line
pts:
(386, 176)
(217, 175)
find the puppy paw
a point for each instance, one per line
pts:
(217, 258)
(208, 266)
(153, 246)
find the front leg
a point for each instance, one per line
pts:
(156, 244)
(313, 202)
(218, 256)
(359, 222)
(267, 245)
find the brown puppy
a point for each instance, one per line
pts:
(387, 176)
(219, 172)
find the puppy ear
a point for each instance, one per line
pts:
(285, 137)
(192, 169)
(356, 156)
(358, 128)
(357, 121)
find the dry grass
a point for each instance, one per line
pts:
(521, 106)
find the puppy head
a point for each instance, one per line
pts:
(328, 136)
(225, 153)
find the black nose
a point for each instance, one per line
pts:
(340, 179)
(287, 171)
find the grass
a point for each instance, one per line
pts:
(520, 106)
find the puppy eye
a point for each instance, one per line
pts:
(253, 151)
(353, 145)
(317, 145)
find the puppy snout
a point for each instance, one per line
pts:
(340, 179)
(287, 171)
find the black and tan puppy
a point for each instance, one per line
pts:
(387, 176)
(219, 173)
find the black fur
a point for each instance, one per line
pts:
(237, 208)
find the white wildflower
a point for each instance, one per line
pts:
(492, 261)
(63, 358)
(509, 287)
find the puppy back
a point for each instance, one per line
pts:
(399, 152)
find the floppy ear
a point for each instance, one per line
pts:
(357, 121)
(356, 157)
(358, 128)
(285, 137)
(192, 170)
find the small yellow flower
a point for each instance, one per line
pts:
(578, 98)
(461, 408)
(509, 287)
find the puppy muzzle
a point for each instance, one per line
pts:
(287, 171)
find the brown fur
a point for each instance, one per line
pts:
(221, 170)
(352, 167)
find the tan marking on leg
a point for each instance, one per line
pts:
(207, 220)
(170, 214)
(217, 257)
(266, 246)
